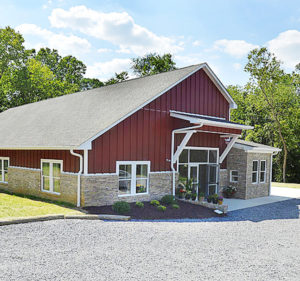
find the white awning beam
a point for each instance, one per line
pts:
(184, 142)
(227, 149)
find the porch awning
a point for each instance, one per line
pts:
(208, 120)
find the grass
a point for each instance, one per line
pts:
(21, 206)
(290, 185)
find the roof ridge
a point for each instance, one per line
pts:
(104, 86)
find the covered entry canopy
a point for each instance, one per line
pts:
(207, 124)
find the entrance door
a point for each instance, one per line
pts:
(194, 176)
(208, 179)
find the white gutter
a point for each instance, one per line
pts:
(186, 130)
(78, 175)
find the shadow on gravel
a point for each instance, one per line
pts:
(288, 209)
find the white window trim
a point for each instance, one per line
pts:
(231, 177)
(260, 171)
(257, 175)
(133, 176)
(50, 174)
(1, 159)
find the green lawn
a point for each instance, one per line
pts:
(290, 185)
(17, 206)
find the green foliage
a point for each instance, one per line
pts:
(152, 64)
(175, 206)
(154, 203)
(139, 204)
(271, 103)
(167, 199)
(121, 207)
(119, 77)
(161, 208)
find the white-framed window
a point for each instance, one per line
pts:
(4, 163)
(50, 175)
(133, 177)
(234, 176)
(255, 171)
(263, 170)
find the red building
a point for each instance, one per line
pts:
(128, 141)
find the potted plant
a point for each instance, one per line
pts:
(229, 191)
(201, 196)
(220, 200)
(209, 198)
(215, 198)
(194, 196)
(188, 195)
(182, 192)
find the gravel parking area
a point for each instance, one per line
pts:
(95, 250)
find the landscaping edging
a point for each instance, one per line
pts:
(222, 208)
(61, 217)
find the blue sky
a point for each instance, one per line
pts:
(106, 34)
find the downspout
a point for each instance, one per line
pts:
(78, 175)
(172, 152)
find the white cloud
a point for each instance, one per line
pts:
(286, 46)
(105, 70)
(117, 28)
(237, 66)
(235, 48)
(66, 45)
(197, 43)
(103, 50)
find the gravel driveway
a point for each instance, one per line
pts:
(266, 248)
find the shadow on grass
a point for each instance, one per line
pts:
(36, 198)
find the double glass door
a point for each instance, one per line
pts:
(204, 178)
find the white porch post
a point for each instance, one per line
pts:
(85, 161)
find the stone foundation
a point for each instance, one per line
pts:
(102, 190)
(96, 190)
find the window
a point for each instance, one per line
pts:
(254, 171)
(51, 171)
(4, 163)
(263, 170)
(234, 176)
(133, 177)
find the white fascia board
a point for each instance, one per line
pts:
(40, 148)
(251, 149)
(195, 120)
(220, 86)
(208, 71)
(87, 143)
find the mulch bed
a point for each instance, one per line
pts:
(150, 212)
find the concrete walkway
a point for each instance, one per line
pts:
(277, 194)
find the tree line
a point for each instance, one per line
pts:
(270, 101)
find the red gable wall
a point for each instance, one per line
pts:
(146, 135)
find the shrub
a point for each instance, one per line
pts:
(167, 199)
(121, 207)
(139, 204)
(154, 203)
(161, 208)
(175, 206)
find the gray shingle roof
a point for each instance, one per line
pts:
(69, 121)
(249, 145)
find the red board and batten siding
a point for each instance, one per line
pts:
(32, 158)
(146, 135)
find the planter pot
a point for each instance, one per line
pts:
(215, 201)
(209, 200)
(220, 202)
(181, 196)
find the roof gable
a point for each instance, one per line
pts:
(73, 121)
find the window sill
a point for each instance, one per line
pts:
(136, 194)
(50, 192)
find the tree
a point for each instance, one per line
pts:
(152, 64)
(90, 83)
(119, 77)
(276, 92)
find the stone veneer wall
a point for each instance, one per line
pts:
(240, 160)
(102, 190)
(28, 181)
(223, 180)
